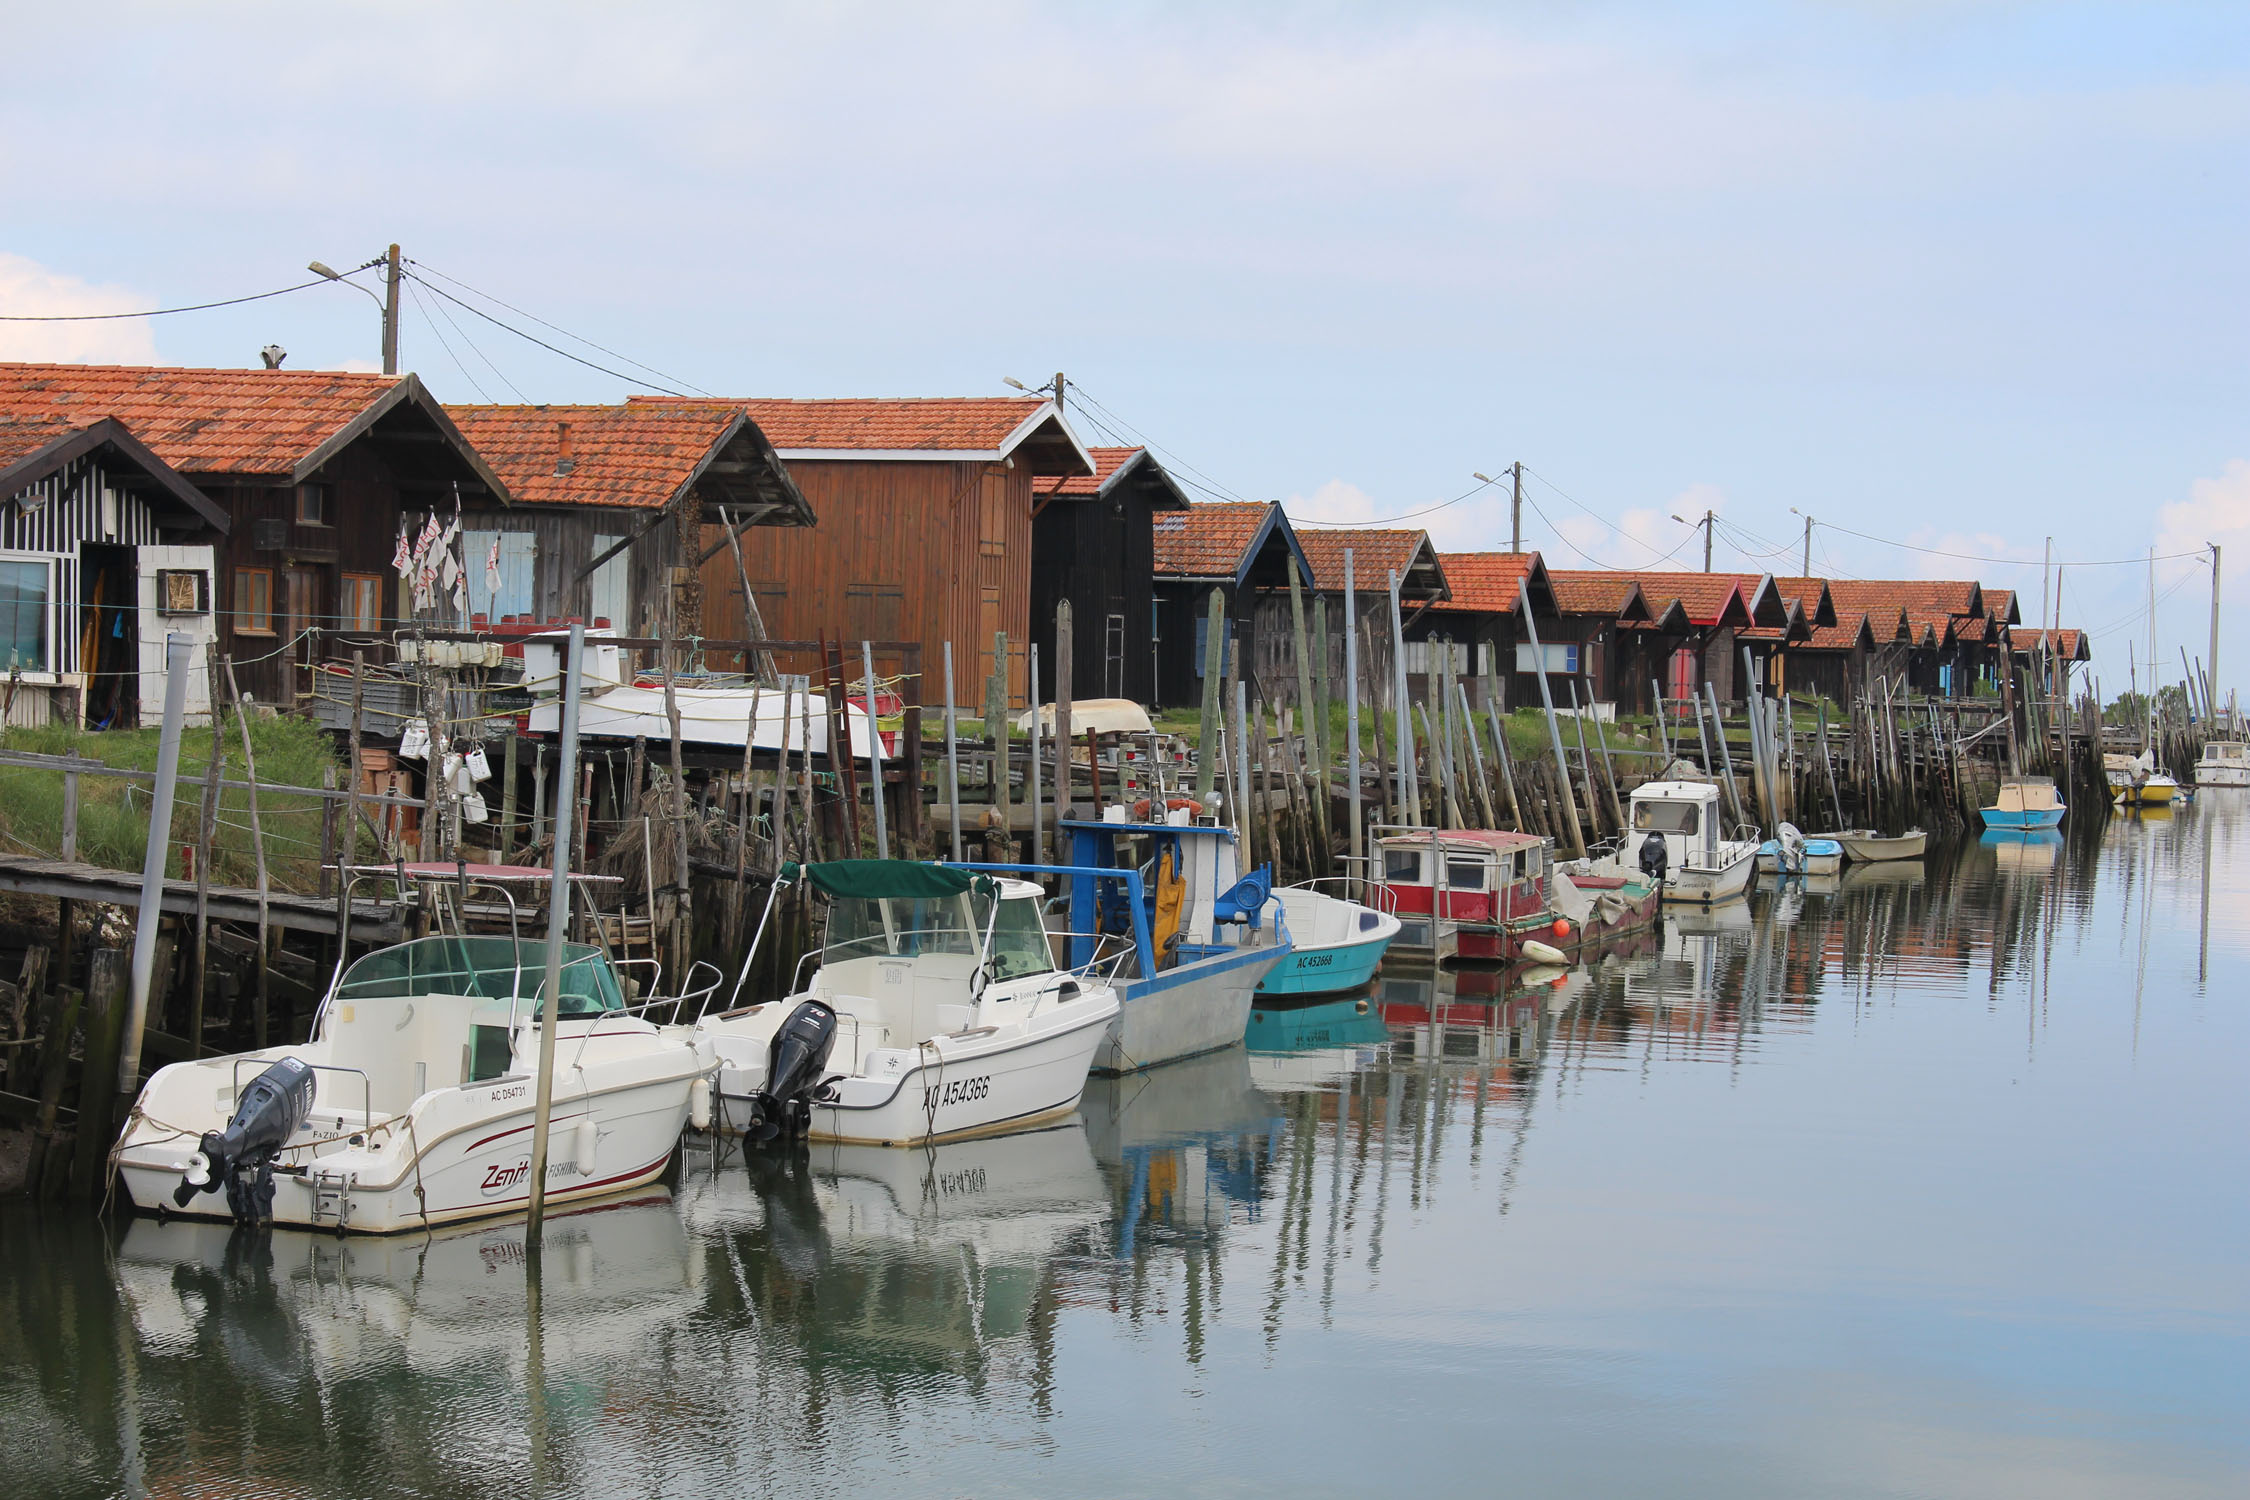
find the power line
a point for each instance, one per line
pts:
(415, 292)
(566, 333)
(440, 291)
(160, 312)
(1211, 486)
(1612, 526)
(474, 348)
(2013, 562)
(1410, 515)
(1594, 561)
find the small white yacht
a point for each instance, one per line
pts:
(2224, 763)
(411, 1106)
(1681, 819)
(937, 1012)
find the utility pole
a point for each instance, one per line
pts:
(1808, 549)
(1060, 384)
(390, 311)
(1707, 519)
(2046, 641)
(1515, 509)
(2214, 678)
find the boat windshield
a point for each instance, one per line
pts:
(1019, 940)
(485, 968)
(1654, 816)
(900, 928)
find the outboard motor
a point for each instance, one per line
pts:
(795, 1060)
(274, 1108)
(1792, 845)
(1655, 856)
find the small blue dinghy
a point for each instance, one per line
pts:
(1337, 944)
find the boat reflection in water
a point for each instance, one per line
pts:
(2026, 850)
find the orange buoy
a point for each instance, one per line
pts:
(1561, 928)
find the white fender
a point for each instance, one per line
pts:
(582, 1145)
(699, 1104)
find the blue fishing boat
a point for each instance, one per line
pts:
(2025, 802)
(1338, 944)
(1164, 914)
(1795, 854)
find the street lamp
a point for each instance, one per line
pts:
(388, 303)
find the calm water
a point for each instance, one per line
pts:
(1929, 1184)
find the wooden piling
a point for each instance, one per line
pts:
(107, 972)
(258, 850)
(1207, 728)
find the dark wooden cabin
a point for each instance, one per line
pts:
(1696, 620)
(1093, 543)
(313, 469)
(1482, 617)
(1832, 661)
(105, 551)
(1245, 550)
(1608, 614)
(925, 531)
(601, 501)
(1378, 555)
(1932, 659)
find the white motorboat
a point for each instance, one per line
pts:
(937, 1012)
(2224, 763)
(412, 1104)
(1682, 817)
(1866, 846)
(616, 706)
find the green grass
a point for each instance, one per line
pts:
(113, 813)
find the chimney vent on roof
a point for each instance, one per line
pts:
(273, 355)
(564, 463)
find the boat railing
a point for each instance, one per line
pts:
(366, 1084)
(1111, 950)
(873, 945)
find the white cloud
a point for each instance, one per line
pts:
(30, 289)
(1336, 503)
(2216, 510)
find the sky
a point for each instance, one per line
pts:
(1960, 274)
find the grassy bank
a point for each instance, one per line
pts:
(113, 813)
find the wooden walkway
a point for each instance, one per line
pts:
(70, 880)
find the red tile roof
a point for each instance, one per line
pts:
(1848, 633)
(1376, 554)
(1107, 461)
(200, 421)
(965, 425)
(1488, 583)
(2070, 645)
(1610, 595)
(631, 455)
(2002, 605)
(1938, 596)
(1707, 599)
(1213, 540)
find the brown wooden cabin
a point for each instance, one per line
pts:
(2038, 652)
(1481, 617)
(1932, 660)
(925, 531)
(105, 551)
(1696, 620)
(1244, 549)
(1093, 543)
(600, 500)
(1610, 615)
(313, 469)
(1378, 555)
(1832, 662)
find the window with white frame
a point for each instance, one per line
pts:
(27, 591)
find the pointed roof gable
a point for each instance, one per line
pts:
(33, 451)
(278, 424)
(941, 429)
(2068, 644)
(1376, 554)
(1488, 583)
(1705, 601)
(639, 456)
(1851, 633)
(1610, 596)
(1220, 542)
(1116, 470)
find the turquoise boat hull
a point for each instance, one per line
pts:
(1321, 971)
(2045, 817)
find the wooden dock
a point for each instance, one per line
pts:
(71, 880)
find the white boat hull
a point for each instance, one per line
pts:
(2222, 775)
(708, 716)
(1862, 846)
(1196, 1008)
(950, 1087)
(1699, 885)
(456, 1154)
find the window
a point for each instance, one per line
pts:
(362, 602)
(26, 584)
(1562, 659)
(1464, 874)
(992, 515)
(1665, 817)
(315, 505)
(611, 597)
(518, 551)
(253, 601)
(1403, 865)
(1019, 940)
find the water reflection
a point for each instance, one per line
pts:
(1824, 1153)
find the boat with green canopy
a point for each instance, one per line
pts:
(934, 1010)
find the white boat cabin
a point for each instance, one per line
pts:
(1685, 814)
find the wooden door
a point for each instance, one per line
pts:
(300, 614)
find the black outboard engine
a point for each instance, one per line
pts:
(1655, 855)
(272, 1109)
(795, 1060)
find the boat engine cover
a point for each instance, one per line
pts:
(795, 1061)
(272, 1109)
